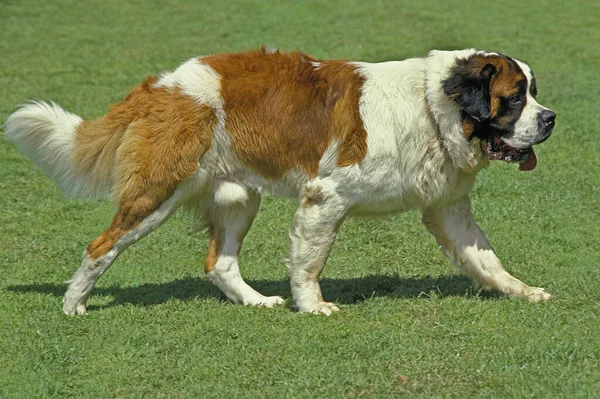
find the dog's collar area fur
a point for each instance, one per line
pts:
(466, 155)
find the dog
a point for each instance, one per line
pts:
(344, 138)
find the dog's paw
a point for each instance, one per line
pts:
(264, 301)
(320, 308)
(537, 294)
(73, 308)
(327, 308)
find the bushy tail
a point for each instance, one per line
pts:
(46, 133)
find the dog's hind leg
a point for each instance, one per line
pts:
(316, 223)
(132, 222)
(230, 220)
(463, 242)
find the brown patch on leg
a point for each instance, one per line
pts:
(214, 250)
(229, 225)
(123, 222)
(285, 109)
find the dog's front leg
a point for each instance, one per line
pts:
(316, 223)
(464, 243)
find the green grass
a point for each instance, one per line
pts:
(410, 324)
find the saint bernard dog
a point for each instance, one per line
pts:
(344, 138)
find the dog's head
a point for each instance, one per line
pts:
(496, 95)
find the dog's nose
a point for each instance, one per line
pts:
(548, 117)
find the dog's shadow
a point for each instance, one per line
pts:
(343, 291)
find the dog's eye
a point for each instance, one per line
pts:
(516, 99)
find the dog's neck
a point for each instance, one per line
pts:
(465, 151)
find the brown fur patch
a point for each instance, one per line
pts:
(97, 141)
(220, 236)
(283, 112)
(502, 77)
(468, 127)
(146, 145)
(504, 82)
(214, 249)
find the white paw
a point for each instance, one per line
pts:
(320, 308)
(264, 301)
(537, 294)
(327, 308)
(72, 308)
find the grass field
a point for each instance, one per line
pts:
(410, 325)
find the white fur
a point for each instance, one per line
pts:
(228, 193)
(464, 243)
(46, 134)
(465, 155)
(526, 129)
(195, 79)
(232, 221)
(203, 84)
(315, 226)
(417, 155)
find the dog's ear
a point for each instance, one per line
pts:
(469, 86)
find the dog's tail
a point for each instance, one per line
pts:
(73, 152)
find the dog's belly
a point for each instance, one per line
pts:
(377, 187)
(380, 208)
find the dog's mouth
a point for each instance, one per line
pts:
(498, 149)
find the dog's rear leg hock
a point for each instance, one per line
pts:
(230, 223)
(315, 227)
(463, 242)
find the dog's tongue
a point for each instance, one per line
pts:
(530, 163)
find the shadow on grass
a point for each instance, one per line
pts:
(344, 291)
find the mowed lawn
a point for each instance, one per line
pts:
(410, 324)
